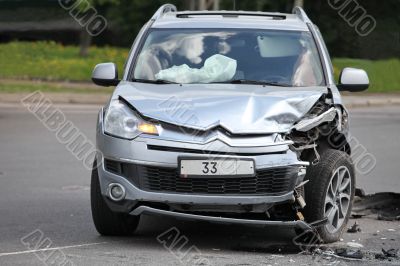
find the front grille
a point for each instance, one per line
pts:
(272, 182)
(276, 181)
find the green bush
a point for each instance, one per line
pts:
(52, 61)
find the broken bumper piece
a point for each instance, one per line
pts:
(153, 211)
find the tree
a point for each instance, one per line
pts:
(299, 3)
(85, 11)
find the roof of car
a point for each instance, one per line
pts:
(230, 19)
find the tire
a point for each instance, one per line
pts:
(107, 222)
(323, 196)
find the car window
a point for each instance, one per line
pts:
(223, 55)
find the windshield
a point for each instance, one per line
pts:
(288, 58)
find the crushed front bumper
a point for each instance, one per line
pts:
(217, 219)
(148, 152)
(133, 193)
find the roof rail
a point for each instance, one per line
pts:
(187, 14)
(162, 10)
(301, 14)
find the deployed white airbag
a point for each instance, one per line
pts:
(217, 68)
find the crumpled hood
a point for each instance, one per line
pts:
(240, 109)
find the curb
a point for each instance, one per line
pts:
(60, 98)
(370, 100)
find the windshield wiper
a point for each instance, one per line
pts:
(256, 82)
(156, 81)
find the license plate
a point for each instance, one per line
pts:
(221, 167)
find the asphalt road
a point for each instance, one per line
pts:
(44, 199)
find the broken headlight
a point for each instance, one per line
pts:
(309, 123)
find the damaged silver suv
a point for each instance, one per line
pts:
(225, 116)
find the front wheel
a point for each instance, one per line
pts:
(330, 193)
(106, 221)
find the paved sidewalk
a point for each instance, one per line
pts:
(351, 101)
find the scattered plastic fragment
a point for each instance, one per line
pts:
(387, 254)
(354, 245)
(346, 253)
(354, 228)
(390, 252)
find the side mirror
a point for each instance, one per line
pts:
(105, 74)
(353, 79)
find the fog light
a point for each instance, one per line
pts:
(116, 192)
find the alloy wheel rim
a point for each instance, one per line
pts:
(337, 199)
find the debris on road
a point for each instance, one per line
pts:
(355, 228)
(349, 253)
(354, 245)
(386, 205)
(390, 252)
(387, 254)
(388, 218)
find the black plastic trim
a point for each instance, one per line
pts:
(229, 14)
(206, 152)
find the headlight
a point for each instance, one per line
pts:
(121, 121)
